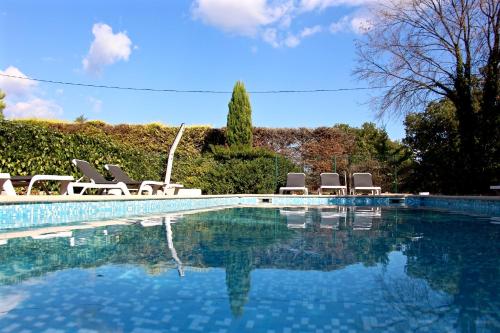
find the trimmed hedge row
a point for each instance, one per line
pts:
(199, 164)
(29, 147)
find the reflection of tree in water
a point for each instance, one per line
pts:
(414, 299)
(231, 239)
(460, 258)
(238, 268)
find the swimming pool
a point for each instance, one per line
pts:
(286, 269)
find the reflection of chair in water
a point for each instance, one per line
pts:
(295, 217)
(168, 228)
(363, 217)
(331, 217)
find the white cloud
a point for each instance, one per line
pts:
(33, 108)
(277, 38)
(243, 17)
(310, 5)
(310, 31)
(22, 100)
(270, 36)
(13, 86)
(358, 24)
(340, 25)
(106, 48)
(96, 104)
(291, 41)
(361, 24)
(272, 21)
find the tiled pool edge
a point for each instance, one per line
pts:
(489, 206)
(33, 212)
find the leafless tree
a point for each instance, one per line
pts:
(423, 50)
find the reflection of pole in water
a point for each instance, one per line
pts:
(171, 247)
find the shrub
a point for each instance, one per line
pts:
(229, 170)
(239, 118)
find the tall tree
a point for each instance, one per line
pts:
(239, 118)
(2, 104)
(425, 50)
(432, 137)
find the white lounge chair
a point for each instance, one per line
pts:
(331, 181)
(295, 217)
(7, 183)
(332, 217)
(97, 181)
(149, 186)
(364, 182)
(295, 182)
(364, 217)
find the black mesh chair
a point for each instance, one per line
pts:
(331, 181)
(150, 186)
(295, 182)
(364, 182)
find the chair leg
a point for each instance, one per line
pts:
(63, 187)
(7, 187)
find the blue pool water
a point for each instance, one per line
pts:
(338, 269)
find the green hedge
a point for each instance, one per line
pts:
(29, 148)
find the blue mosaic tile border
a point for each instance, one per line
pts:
(23, 215)
(342, 201)
(489, 207)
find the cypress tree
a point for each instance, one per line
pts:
(239, 118)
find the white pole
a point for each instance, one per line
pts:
(170, 160)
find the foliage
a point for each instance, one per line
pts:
(81, 119)
(244, 153)
(200, 161)
(227, 170)
(29, 149)
(239, 118)
(433, 138)
(340, 148)
(2, 104)
(422, 50)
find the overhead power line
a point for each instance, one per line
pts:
(103, 86)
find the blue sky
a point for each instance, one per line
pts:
(198, 44)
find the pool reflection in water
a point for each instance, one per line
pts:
(289, 269)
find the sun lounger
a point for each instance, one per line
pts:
(332, 217)
(331, 181)
(6, 187)
(8, 182)
(364, 217)
(150, 186)
(97, 181)
(295, 182)
(364, 182)
(295, 217)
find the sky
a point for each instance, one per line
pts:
(186, 45)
